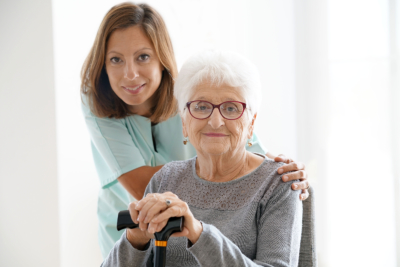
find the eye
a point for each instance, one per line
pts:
(231, 107)
(143, 57)
(115, 60)
(202, 107)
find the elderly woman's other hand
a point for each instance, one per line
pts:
(154, 210)
(298, 172)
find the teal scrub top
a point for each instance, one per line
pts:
(122, 145)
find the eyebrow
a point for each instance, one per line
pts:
(225, 99)
(112, 51)
(144, 48)
(140, 50)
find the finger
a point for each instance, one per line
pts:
(150, 201)
(143, 226)
(300, 185)
(149, 197)
(174, 211)
(159, 205)
(281, 158)
(143, 201)
(297, 175)
(294, 166)
(155, 227)
(157, 208)
(304, 194)
(133, 212)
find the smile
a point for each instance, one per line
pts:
(215, 134)
(134, 90)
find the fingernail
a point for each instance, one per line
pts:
(295, 186)
(285, 178)
(145, 220)
(137, 219)
(280, 171)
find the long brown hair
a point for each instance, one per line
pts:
(102, 100)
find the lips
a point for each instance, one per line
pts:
(215, 134)
(133, 89)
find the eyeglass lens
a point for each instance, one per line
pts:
(229, 110)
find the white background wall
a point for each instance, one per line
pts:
(330, 71)
(29, 221)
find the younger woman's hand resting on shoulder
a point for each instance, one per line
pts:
(152, 214)
(298, 172)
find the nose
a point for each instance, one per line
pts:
(216, 120)
(131, 71)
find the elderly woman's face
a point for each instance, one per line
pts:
(217, 135)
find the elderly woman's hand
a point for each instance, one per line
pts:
(298, 172)
(153, 214)
(137, 237)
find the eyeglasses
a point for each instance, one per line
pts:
(230, 110)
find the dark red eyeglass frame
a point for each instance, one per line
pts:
(214, 107)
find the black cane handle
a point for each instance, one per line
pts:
(125, 221)
(174, 224)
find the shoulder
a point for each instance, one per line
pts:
(271, 181)
(93, 121)
(269, 169)
(277, 190)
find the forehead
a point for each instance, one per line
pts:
(131, 38)
(217, 93)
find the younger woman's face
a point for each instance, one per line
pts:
(133, 68)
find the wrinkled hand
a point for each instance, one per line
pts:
(152, 214)
(298, 172)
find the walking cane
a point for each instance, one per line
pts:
(174, 224)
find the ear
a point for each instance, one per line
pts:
(251, 128)
(185, 134)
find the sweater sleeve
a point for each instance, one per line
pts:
(278, 240)
(124, 254)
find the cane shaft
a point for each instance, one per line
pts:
(160, 256)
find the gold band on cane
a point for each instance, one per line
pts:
(161, 243)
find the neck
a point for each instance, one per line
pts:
(223, 168)
(143, 109)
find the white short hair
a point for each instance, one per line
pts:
(219, 67)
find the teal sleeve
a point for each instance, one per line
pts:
(257, 146)
(114, 151)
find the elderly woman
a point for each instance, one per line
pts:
(237, 212)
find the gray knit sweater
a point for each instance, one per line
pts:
(255, 220)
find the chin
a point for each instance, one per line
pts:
(133, 101)
(215, 149)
